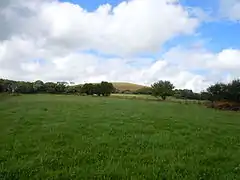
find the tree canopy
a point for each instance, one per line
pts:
(162, 89)
(104, 88)
(225, 92)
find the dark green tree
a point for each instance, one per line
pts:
(60, 87)
(1, 87)
(144, 90)
(162, 89)
(24, 87)
(50, 87)
(218, 92)
(88, 89)
(106, 88)
(233, 91)
(186, 94)
(38, 86)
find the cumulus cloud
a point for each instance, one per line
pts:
(23, 59)
(129, 28)
(53, 41)
(230, 9)
(201, 59)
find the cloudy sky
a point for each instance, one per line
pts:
(192, 43)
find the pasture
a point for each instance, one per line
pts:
(74, 137)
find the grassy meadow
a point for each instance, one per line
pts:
(74, 137)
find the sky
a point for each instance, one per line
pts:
(191, 43)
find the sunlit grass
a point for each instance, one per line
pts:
(73, 137)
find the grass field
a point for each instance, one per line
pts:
(152, 98)
(73, 137)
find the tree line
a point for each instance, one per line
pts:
(163, 89)
(101, 89)
(229, 92)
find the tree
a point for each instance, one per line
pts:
(24, 87)
(78, 89)
(205, 95)
(97, 89)
(144, 90)
(60, 87)
(233, 91)
(70, 90)
(106, 88)
(1, 86)
(88, 89)
(6, 85)
(50, 87)
(218, 92)
(186, 94)
(162, 89)
(38, 86)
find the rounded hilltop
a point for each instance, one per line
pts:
(125, 86)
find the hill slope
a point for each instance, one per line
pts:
(127, 86)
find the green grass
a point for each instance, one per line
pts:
(152, 98)
(73, 137)
(134, 96)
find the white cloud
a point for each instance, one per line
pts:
(177, 65)
(230, 9)
(200, 59)
(130, 27)
(45, 39)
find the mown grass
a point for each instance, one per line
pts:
(72, 137)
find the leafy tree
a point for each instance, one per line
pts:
(186, 94)
(50, 87)
(70, 90)
(218, 92)
(60, 87)
(106, 88)
(144, 90)
(97, 89)
(38, 86)
(24, 87)
(162, 89)
(205, 95)
(1, 86)
(233, 91)
(88, 89)
(78, 88)
(6, 85)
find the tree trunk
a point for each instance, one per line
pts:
(164, 98)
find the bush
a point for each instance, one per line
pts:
(224, 105)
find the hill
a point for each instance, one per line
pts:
(127, 86)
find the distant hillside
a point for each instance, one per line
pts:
(127, 86)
